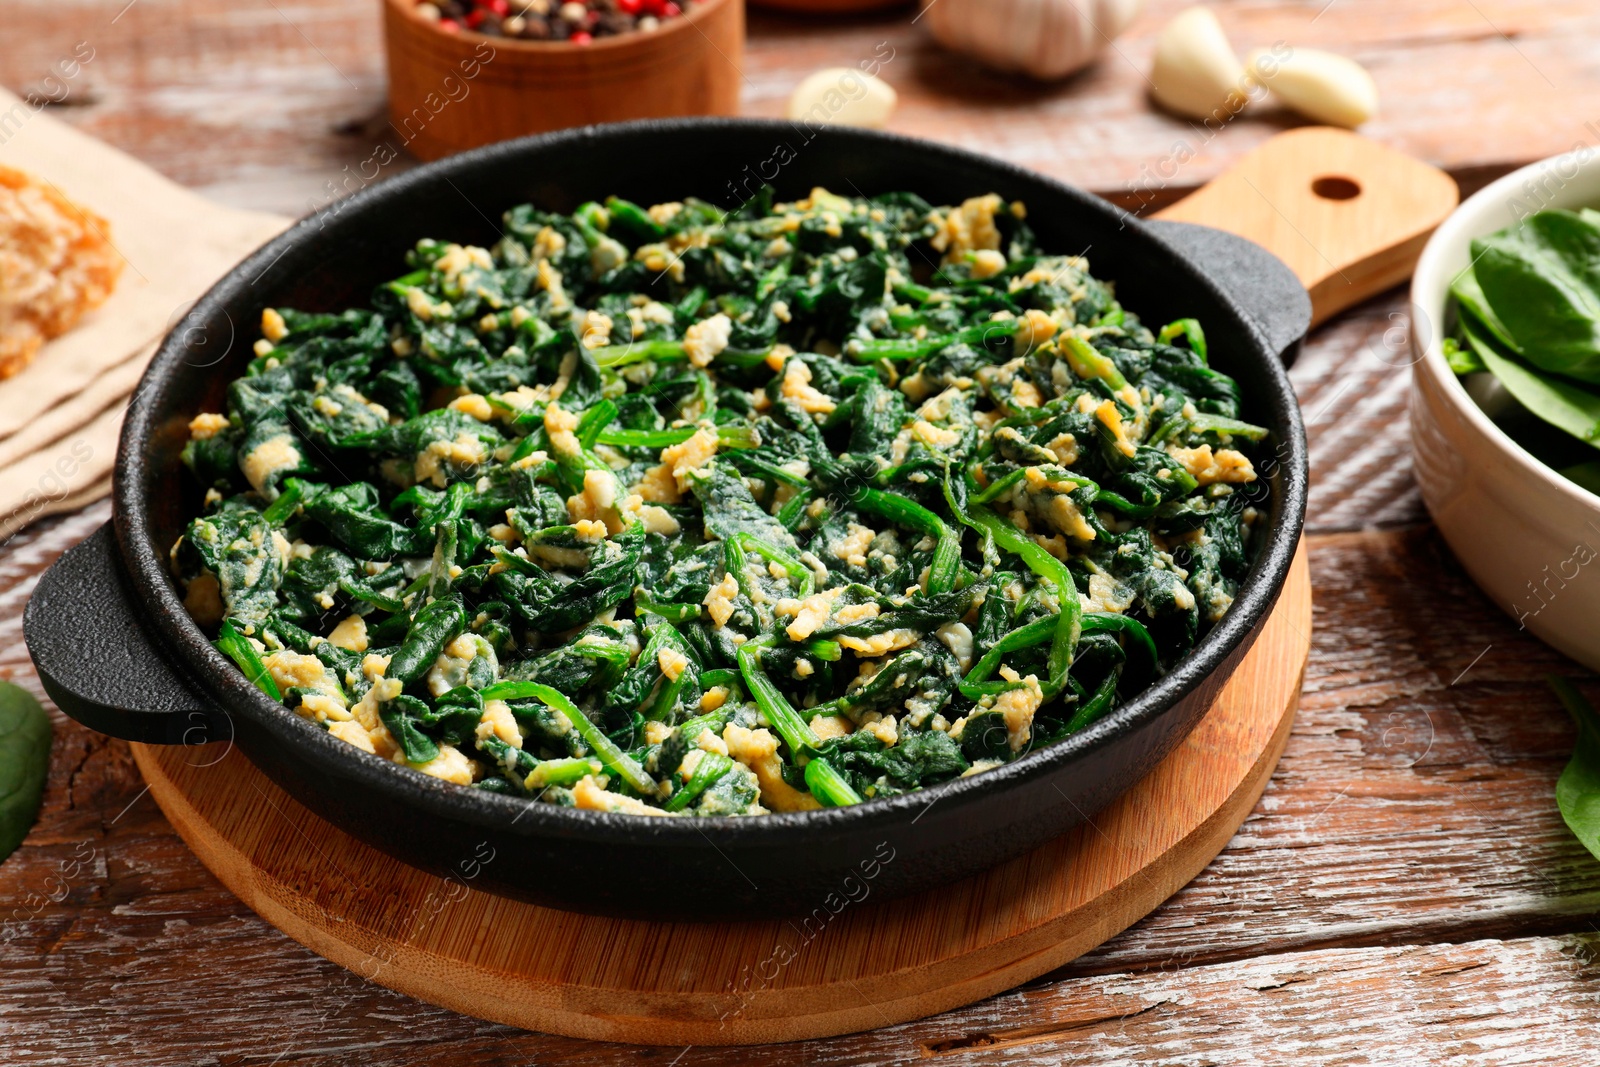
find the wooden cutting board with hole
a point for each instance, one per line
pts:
(1348, 215)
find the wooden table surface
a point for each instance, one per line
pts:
(1404, 892)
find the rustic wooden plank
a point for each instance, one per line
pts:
(1486, 1002)
(1413, 804)
(1407, 808)
(1353, 378)
(1463, 86)
(1483, 1002)
(263, 104)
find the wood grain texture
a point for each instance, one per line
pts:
(848, 965)
(1468, 87)
(1353, 379)
(1406, 811)
(279, 106)
(1406, 870)
(1481, 1003)
(1346, 214)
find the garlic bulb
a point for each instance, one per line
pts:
(1195, 72)
(842, 96)
(1320, 85)
(1042, 38)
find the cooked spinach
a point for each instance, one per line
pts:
(673, 510)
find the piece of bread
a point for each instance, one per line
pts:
(56, 264)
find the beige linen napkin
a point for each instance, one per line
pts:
(60, 417)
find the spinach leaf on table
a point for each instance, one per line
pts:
(24, 761)
(1578, 789)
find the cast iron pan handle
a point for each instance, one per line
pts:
(1272, 298)
(98, 664)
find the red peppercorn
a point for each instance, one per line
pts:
(669, 10)
(654, 7)
(500, 7)
(630, 7)
(449, 26)
(581, 37)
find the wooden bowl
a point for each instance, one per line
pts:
(452, 91)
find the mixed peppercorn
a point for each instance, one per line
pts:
(551, 20)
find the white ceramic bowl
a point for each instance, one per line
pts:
(1529, 537)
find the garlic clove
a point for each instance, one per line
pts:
(1320, 85)
(842, 96)
(1195, 72)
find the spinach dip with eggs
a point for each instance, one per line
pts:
(682, 511)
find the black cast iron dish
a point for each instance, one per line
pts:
(117, 651)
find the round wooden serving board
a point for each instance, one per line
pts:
(865, 965)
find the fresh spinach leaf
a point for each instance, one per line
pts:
(1578, 788)
(1542, 280)
(24, 762)
(1561, 403)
